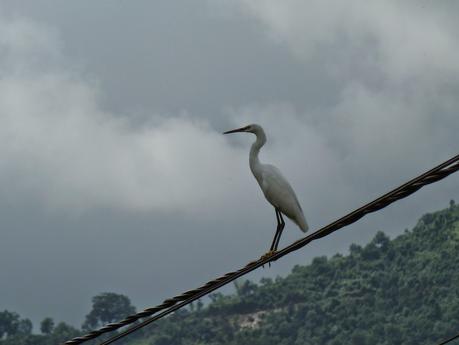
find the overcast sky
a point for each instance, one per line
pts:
(114, 175)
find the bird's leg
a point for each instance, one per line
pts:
(276, 235)
(280, 229)
(280, 226)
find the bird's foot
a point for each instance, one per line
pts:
(267, 255)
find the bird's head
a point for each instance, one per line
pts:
(253, 128)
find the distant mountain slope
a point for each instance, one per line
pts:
(389, 292)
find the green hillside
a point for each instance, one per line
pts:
(389, 292)
(400, 291)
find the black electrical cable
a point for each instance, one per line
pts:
(168, 306)
(449, 340)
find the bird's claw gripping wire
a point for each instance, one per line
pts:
(267, 255)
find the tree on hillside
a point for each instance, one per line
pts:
(11, 325)
(25, 327)
(107, 307)
(47, 325)
(8, 323)
(62, 332)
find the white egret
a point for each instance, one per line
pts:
(275, 187)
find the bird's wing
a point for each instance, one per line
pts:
(280, 194)
(277, 189)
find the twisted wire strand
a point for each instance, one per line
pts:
(170, 305)
(449, 340)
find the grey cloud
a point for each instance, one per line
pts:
(62, 148)
(396, 39)
(396, 67)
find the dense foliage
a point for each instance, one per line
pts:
(106, 307)
(389, 292)
(401, 291)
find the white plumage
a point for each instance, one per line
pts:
(280, 194)
(275, 187)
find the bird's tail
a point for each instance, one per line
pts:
(301, 221)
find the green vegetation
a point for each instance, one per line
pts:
(389, 292)
(106, 307)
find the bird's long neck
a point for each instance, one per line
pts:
(254, 151)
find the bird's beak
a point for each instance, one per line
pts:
(236, 130)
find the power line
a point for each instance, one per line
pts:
(449, 340)
(169, 305)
